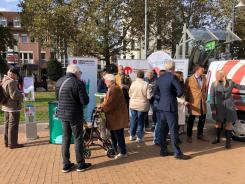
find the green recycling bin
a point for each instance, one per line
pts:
(55, 125)
(99, 98)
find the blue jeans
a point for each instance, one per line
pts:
(137, 123)
(158, 129)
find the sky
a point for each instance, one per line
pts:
(9, 5)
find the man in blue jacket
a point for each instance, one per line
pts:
(168, 88)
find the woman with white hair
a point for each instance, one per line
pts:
(116, 113)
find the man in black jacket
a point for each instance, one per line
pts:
(168, 88)
(72, 96)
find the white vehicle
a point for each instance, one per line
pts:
(235, 70)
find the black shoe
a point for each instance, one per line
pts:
(83, 167)
(216, 141)
(182, 157)
(68, 167)
(166, 153)
(16, 146)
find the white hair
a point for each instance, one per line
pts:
(109, 77)
(72, 69)
(169, 65)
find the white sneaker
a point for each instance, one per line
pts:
(139, 140)
(120, 155)
(132, 138)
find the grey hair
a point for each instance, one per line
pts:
(169, 65)
(109, 77)
(73, 69)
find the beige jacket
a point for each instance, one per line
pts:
(15, 97)
(140, 92)
(195, 96)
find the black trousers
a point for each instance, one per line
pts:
(75, 128)
(11, 128)
(117, 138)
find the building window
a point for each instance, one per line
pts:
(17, 22)
(43, 55)
(16, 37)
(3, 21)
(24, 38)
(124, 57)
(26, 57)
(132, 56)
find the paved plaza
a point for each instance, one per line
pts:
(40, 162)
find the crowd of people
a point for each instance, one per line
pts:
(127, 104)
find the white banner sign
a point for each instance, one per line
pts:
(131, 66)
(88, 68)
(29, 89)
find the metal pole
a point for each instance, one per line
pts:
(146, 29)
(233, 16)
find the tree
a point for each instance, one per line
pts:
(89, 28)
(54, 70)
(6, 39)
(3, 66)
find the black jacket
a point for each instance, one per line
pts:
(167, 89)
(72, 98)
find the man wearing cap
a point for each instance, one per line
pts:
(11, 108)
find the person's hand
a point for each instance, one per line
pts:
(186, 103)
(214, 112)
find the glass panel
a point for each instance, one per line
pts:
(30, 56)
(24, 38)
(25, 56)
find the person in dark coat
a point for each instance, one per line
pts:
(168, 88)
(72, 96)
(222, 105)
(102, 88)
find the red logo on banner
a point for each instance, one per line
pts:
(128, 70)
(74, 61)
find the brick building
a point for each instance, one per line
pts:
(27, 53)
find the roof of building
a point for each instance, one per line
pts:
(9, 15)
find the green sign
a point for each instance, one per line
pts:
(210, 45)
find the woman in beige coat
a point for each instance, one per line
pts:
(140, 93)
(116, 113)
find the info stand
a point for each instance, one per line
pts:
(30, 112)
(31, 126)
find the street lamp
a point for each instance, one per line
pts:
(146, 8)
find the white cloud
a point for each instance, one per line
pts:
(11, 1)
(3, 9)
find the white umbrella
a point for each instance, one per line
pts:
(156, 60)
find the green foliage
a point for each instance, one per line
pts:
(54, 70)
(6, 38)
(3, 66)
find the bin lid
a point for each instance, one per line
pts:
(100, 94)
(53, 102)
